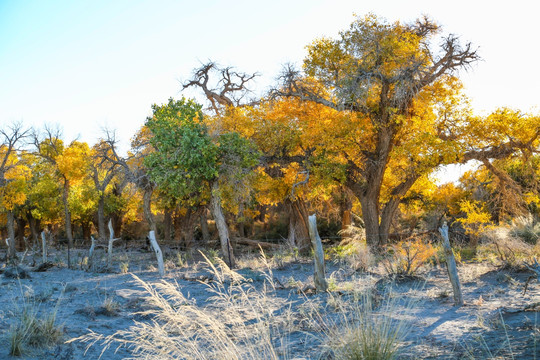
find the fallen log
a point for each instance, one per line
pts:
(255, 243)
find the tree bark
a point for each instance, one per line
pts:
(157, 250)
(167, 224)
(204, 227)
(147, 209)
(370, 215)
(101, 217)
(184, 227)
(86, 230)
(21, 225)
(299, 225)
(32, 224)
(345, 209)
(221, 224)
(67, 213)
(12, 252)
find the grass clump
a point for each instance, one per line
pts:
(526, 229)
(353, 249)
(368, 331)
(33, 331)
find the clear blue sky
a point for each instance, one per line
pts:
(85, 65)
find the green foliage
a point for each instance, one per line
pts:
(187, 159)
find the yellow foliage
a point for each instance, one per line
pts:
(408, 256)
(477, 219)
(73, 163)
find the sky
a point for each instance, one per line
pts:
(84, 66)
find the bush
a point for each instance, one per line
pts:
(406, 257)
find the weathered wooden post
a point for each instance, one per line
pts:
(111, 241)
(318, 255)
(451, 266)
(11, 256)
(44, 247)
(158, 252)
(91, 253)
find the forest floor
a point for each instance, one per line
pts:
(494, 323)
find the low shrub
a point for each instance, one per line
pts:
(407, 257)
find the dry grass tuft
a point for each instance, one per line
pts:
(368, 331)
(32, 330)
(353, 249)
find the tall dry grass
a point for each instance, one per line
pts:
(237, 323)
(370, 328)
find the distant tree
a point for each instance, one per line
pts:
(71, 164)
(12, 176)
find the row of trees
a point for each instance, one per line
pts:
(359, 129)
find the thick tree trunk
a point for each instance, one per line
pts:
(167, 224)
(370, 215)
(147, 209)
(184, 227)
(86, 230)
(33, 225)
(117, 220)
(345, 209)
(12, 252)
(101, 218)
(221, 224)
(204, 227)
(299, 225)
(20, 242)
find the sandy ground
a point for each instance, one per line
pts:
(492, 324)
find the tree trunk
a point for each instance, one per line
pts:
(101, 218)
(167, 224)
(21, 225)
(345, 209)
(184, 228)
(86, 230)
(204, 227)
(370, 215)
(117, 220)
(12, 252)
(32, 224)
(299, 225)
(67, 214)
(147, 209)
(221, 224)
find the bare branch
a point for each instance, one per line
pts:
(230, 89)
